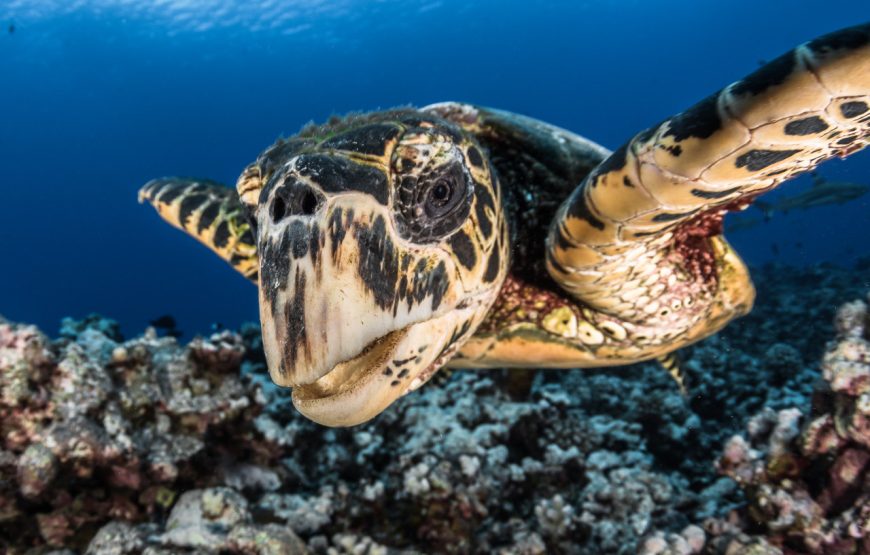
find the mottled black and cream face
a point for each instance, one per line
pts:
(381, 248)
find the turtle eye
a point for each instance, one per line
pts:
(442, 194)
(440, 198)
(434, 204)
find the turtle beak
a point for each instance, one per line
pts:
(361, 388)
(350, 316)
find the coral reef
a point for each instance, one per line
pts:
(808, 486)
(145, 446)
(806, 477)
(93, 429)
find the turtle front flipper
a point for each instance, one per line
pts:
(639, 241)
(210, 212)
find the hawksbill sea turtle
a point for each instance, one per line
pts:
(390, 244)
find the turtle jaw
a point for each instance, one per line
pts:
(359, 389)
(355, 390)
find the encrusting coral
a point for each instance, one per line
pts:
(145, 446)
(807, 479)
(94, 430)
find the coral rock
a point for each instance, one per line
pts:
(204, 518)
(810, 491)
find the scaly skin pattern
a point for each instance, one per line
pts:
(638, 244)
(211, 213)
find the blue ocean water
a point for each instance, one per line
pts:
(99, 97)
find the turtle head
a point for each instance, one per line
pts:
(382, 245)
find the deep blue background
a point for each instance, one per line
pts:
(98, 97)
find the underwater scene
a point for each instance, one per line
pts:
(360, 277)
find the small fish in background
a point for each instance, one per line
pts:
(774, 248)
(217, 326)
(11, 28)
(167, 324)
(822, 193)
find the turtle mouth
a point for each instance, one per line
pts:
(345, 376)
(360, 388)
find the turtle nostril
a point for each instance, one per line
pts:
(309, 203)
(295, 199)
(279, 209)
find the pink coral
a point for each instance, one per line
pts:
(810, 491)
(94, 430)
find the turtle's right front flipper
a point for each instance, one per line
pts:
(210, 212)
(639, 241)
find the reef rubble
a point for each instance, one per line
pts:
(148, 446)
